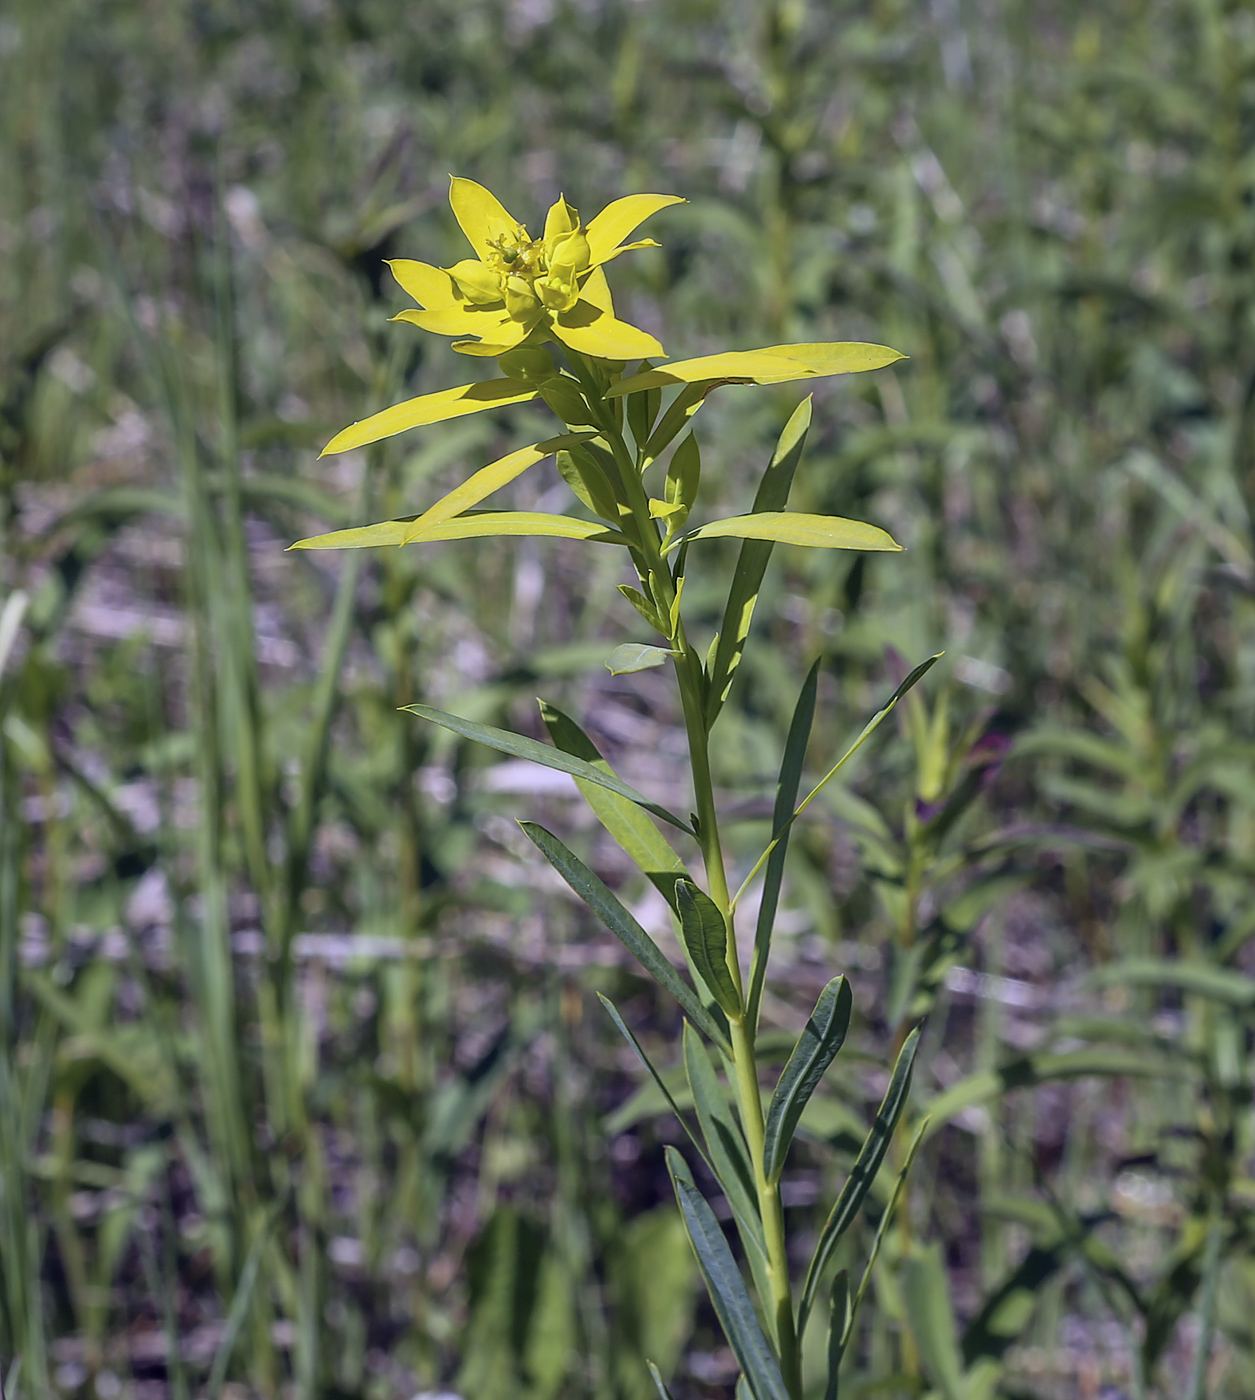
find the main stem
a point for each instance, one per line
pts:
(691, 680)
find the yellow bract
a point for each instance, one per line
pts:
(518, 286)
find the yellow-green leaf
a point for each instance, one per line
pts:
(475, 525)
(775, 364)
(609, 228)
(592, 331)
(431, 408)
(795, 527)
(487, 480)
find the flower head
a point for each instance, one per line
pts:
(521, 288)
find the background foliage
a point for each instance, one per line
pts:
(304, 1082)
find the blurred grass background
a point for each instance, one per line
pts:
(304, 1089)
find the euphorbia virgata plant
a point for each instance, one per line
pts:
(542, 308)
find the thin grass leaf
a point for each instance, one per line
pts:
(659, 1383)
(838, 1331)
(1198, 978)
(816, 1048)
(519, 747)
(786, 796)
(625, 928)
(751, 564)
(241, 1303)
(926, 1292)
(726, 1287)
(705, 933)
(863, 1173)
(626, 1033)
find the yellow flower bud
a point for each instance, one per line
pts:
(476, 282)
(520, 300)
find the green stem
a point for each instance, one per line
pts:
(691, 681)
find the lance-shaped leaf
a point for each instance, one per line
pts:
(838, 1320)
(775, 364)
(786, 795)
(481, 484)
(626, 1033)
(727, 1152)
(474, 525)
(659, 1384)
(751, 564)
(623, 819)
(705, 933)
(816, 1048)
(863, 1173)
(728, 1293)
(794, 527)
(631, 657)
(519, 747)
(431, 408)
(625, 928)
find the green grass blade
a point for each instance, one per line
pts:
(659, 1384)
(815, 1050)
(838, 1332)
(726, 1287)
(518, 747)
(786, 795)
(863, 1174)
(624, 927)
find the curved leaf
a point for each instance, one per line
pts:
(607, 230)
(519, 747)
(475, 525)
(794, 527)
(431, 408)
(775, 364)
(636, 656)
(625, 928)
(728, 1293)
(815, 1050)
(705, 933)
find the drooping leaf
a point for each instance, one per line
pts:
(476, 524)
(481, 484)
(519, 747)
(786, 795)
(794, 527)
(815, 1050)
(705, 933)
(636, 656)
(431, 408)
(622, 818)
(728, 1293)
(751, 564)
(626, 1033)
(726, 1151)
(775, 364)
(863, 1173)
(625, 928)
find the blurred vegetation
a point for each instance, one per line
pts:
(304, 1088)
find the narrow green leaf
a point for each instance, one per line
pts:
(659, 1383)
(786, 795)
(631, 827)
(866, 1165)
(838, 1330)
(636, 656)
(774, 364)
(794, 527)
(626, 1033)
(751, 564)
(705, 933)
(474, 525)
(726, 1150)
(682, 409)
(728, 1293)
(815, 1050)
(483, 483)
(645, 606)
(431, 408)
(625, 928)
(926, 1291)
(867, 731)
(518, 747)
(1203, 979)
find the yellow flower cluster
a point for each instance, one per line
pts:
(519, 288)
